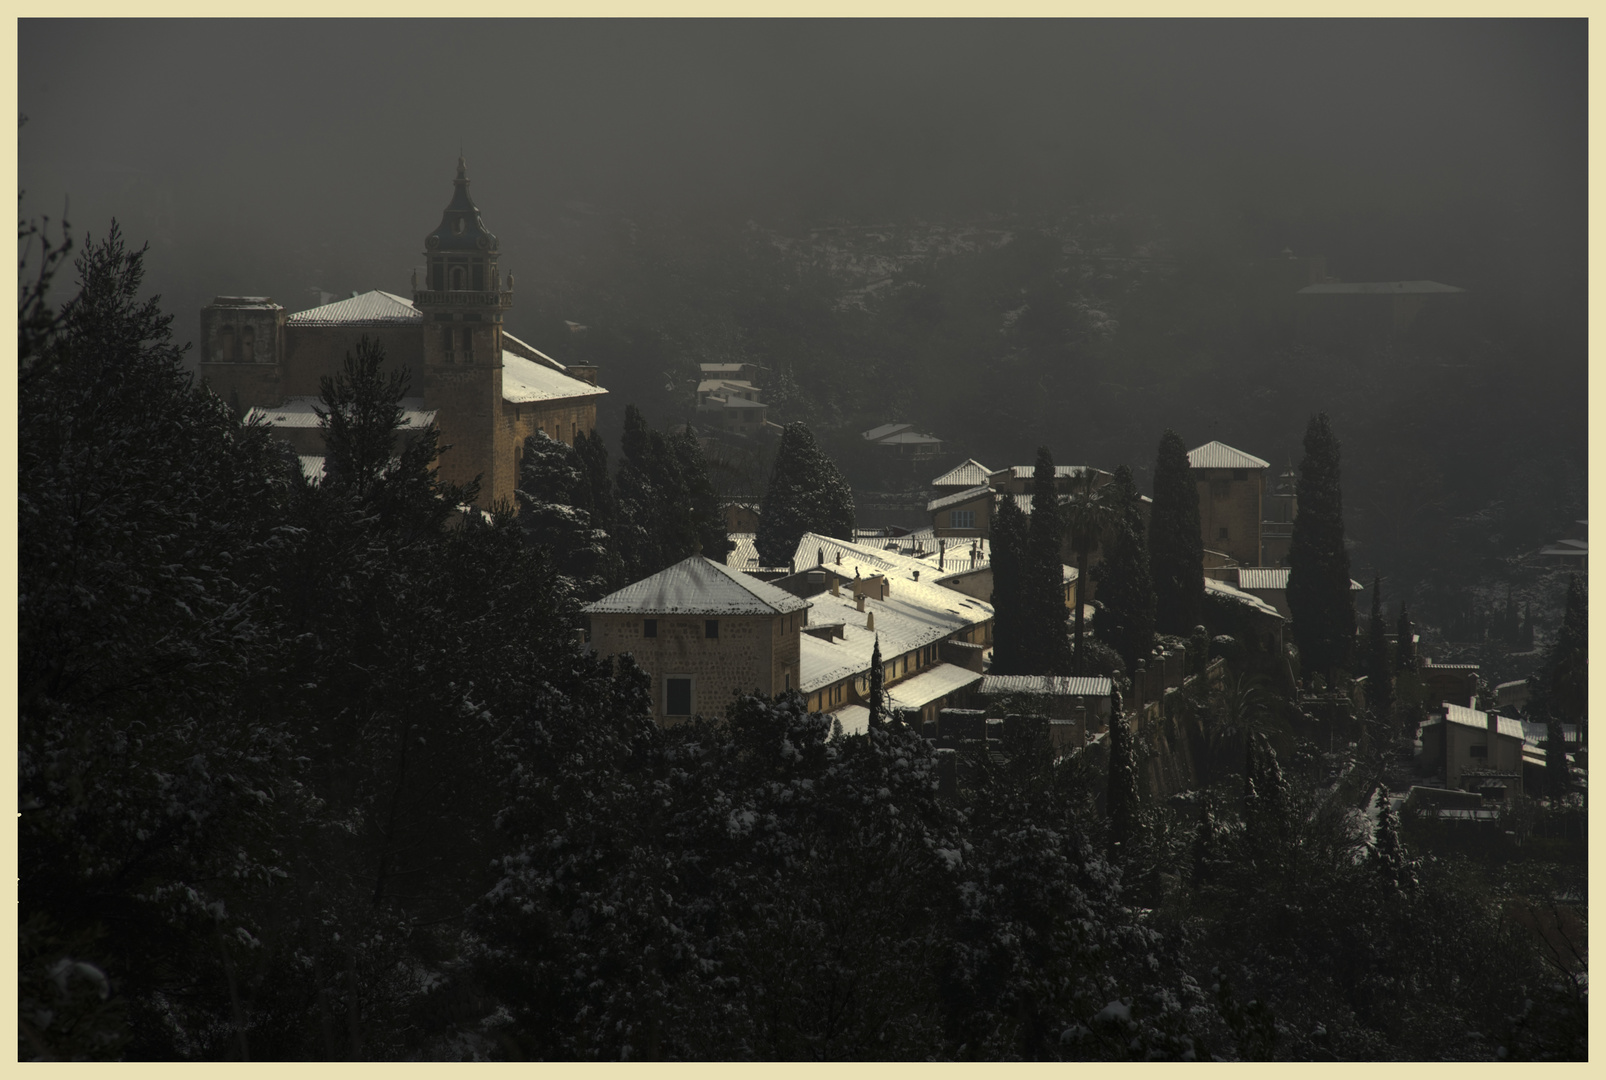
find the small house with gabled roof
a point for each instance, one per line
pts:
(1232, 491)
(703, 632)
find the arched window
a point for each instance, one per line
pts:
(468, 344)
(479, 274)
(248, 345)
(225, 344)
(437, 275)
(457, 279)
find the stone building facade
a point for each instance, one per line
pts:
(1232, 492)
(483, 388)
(703, 632)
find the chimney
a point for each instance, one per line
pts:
(942, 551)
(1494, 739)
(858, 598)
(869, 620)
(917, 575)
(834, 590)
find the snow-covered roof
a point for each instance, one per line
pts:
(937, 681)
(855, 719)
(908, 438)
(734, 402)
(697, 586)
(1377, 288)
(958, 497)
(1218, 455)
(968, 475)
(1051, 685)
(1274, 577)
(1476, 718)
(375, 308)
(522, 348)
(901, 625)
(312, 466)
(524, 381)
(882, 431)
(301, 412)
(1027, 472)
(708, 386)
(1222, 589)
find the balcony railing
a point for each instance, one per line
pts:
(463, 296)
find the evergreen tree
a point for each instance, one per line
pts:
(1388, 850)
(1404, 644)
(1568, 681)
(1318, 578)
(702, 499)
(1088, 516)
(1048, 650)
(1525, 635)
(1379, 670)
(360, 416)
(806, 493)
(1176, 549)
(1206, 842)
(553, 495)
(878, 689)
(1008, 597)
(1124, 619)
(1558, 777)
(1121, 786)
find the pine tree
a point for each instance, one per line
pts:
(1048, 649)
(1404, 644)
(1379, 671)
(361, 414)
(1124, 619)
(702, 499)
(878, 689)
(806, 493)
(1008, 566)
(1121, 787)
(1176, 549)
(1318, 578)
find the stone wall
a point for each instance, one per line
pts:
(467, 403)
(1234, 505)
(562, 419)
(752, 652)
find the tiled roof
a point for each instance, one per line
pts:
(1275, 577)
(911, 438)
(697, 586)
(1026, 472)
(935, 682)
(1222, 589)
(855, 719)
(311, 466)
(301, 412)
(1052, 685)
(958, 497)
(376, 308)
(1474, 718)
(1377, 287)
(968, 475)
(524, 381)
(1218, 455)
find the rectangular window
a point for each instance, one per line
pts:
(711, 628)
(1221, 534)
(1478, 751)
(649, 627)
(479, 275)
(677, 695)
(1240, 474)
(962, 519)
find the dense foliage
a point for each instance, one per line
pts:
(806, 493)
(1124, 619)
(317, 771)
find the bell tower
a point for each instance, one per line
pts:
(462, 303)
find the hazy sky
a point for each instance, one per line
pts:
(255, 153)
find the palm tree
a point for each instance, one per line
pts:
(1088, 514)
(1240, 706)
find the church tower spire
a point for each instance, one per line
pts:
(463, 302)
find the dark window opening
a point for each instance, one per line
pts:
(457, 279)
(677, 696)
(649, 627)
(1240, 474)
(479, 275)
(446, 340)
(1478, 751)
(1222, 533)
(468, 343)
(711, 628)
(225, 343)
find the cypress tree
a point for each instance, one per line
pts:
(1379, 671)
(806, 493)
(701, 498)
(1558, 780)
(878, 689)
(1176, 551)
(1318, 577)
(1388, 851)
(1048, 650)
(1124, 619)
(1568, 679)
(1404, 646)
(1008, 563)
(1088, 516)
(1121, 788)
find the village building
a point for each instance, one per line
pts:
(703, 632)
(1084, 699)
(1482, 752)
(1264, 583)
(1232, 489)
(904, 442)
(1571, 550)
(727, 400)
(484, 389)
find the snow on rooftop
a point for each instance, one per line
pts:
(958, 497)
(301, 412)
(311, 466)
(1051, 685)
(524, 381)
(697, 586)
(937, 681)
(1476, 718)
(1222, 589)
(855, 719)
(1274, 577)
(968, 475)
(375, 308)
(1218, 455)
